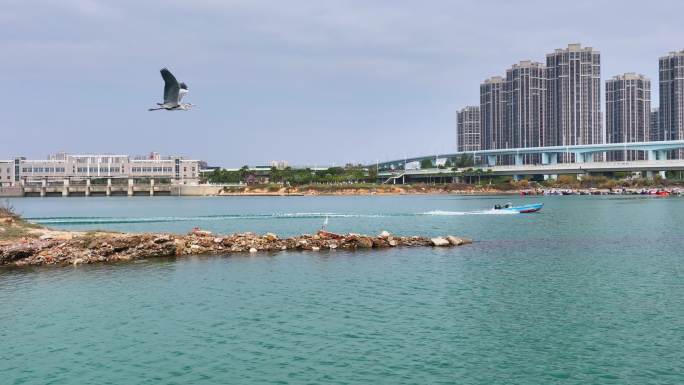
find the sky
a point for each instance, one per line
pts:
(307, 81)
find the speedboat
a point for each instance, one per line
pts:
(523, 209)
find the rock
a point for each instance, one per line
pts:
(379, 242)
(364, 243)
(439, 242)
(199, 232)
(15, 252)
(162, 239)
(84, 248)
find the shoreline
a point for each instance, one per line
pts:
(25, 244)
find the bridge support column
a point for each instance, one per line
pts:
(518, 159)
(491, 160)
(549, 158)
(87, 188)
(108, 191)
(65, 189)
(152, 187)
(130, 187)
(663, 175)
(651, 155)
(43, 187)
(584, 157)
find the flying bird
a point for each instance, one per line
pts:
(173, 93)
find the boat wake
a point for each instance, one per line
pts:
(83, 220)
(479, 212)
(124, 220)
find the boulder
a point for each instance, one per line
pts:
(384, 235)
(162, 238)
(380, 242)
(439, 242)
(19, 251)
(364, 243)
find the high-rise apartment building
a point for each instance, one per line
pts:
(628, 113)
(493, 133)
(672, 97)
(525, 99)
(573, 90)
(468, 129)
(655, 127)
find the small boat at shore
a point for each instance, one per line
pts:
(523, 209)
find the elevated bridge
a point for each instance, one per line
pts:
(549, 155)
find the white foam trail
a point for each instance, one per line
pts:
(480, 212)
(228, 217)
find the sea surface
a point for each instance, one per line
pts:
(588, 291)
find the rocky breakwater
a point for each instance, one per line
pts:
(49, 247)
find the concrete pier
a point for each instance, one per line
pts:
(65, 188)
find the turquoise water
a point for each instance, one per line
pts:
(589, 291)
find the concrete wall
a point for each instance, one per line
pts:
(7, 192)
(198, 190)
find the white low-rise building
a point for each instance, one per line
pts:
(59, 167)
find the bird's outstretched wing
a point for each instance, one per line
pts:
(171, 86)
(183, 90)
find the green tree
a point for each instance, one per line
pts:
(426, 163)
